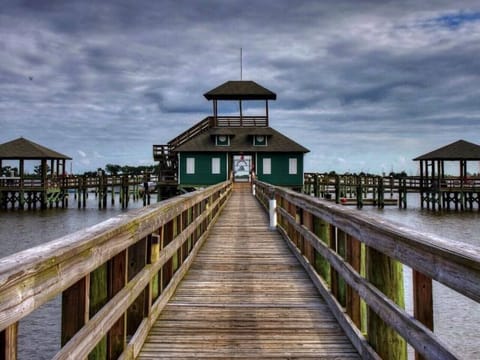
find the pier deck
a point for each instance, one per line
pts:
(246, 296)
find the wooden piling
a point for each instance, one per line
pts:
(8, 342)
(354, 258)
(386, 275)
(117, 278)
(137, 258)
(98, 298)
(422, 302)
(321, 265)
(75, 305)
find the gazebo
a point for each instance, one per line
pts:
(442, 190)
(14, 186)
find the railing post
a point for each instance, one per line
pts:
(386, 275)
(137, 256)
(8, 342)
(75, 307)
(309, 250)
(321, 229)
(117, 278)
(422, 301)
(354, 258)
(272, 206)
(98, 298)
(342, 251)
(332, 235)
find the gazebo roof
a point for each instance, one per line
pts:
(240, 90)
(22, 148)
(459, 150)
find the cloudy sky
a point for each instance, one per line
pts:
(365, 85)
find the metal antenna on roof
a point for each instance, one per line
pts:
(241, 66)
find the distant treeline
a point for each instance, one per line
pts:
(396, 175)
(114, 169)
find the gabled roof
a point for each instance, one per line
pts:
(240, 90)
(27, 150)
(241, 140)
(459, 150)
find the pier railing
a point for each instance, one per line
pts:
(355, 259)
(114, 277)
(241, 121)
(320, 183)
(450, 191)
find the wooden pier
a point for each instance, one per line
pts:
(243, 295)
(33, 193)
(246, 296)
(450, 193)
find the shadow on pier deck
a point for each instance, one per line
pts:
(246, 296)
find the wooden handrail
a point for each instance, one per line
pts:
(412, 183)
(454, 264)
(169, 232)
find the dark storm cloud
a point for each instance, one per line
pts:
(376, 82)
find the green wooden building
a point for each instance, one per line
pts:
(235, 142)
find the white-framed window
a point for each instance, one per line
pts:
(267, 166)
(215, 165)
(190, 165)
(223, 140)
(259, 140)
(292, 166)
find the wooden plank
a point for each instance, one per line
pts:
(245, 296)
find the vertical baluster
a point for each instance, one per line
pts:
(75, 305)
(309, 250)
(117, 278)
(333, 273)
(385, 274)
(9, 342)
(422, 301)
(137, 258)
(354, 258)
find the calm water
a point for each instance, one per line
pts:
(457, 319)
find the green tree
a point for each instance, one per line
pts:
(113, 169)
(37, 170)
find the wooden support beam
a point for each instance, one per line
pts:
(98, 298)
(354, 258)
(332, 234)
(75, 305)
(9, 342)
(386, 275)
(117, 278)
(422, 301)
(137, 258)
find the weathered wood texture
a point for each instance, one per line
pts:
(454, 264)
(90, 268)
(246, 296)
